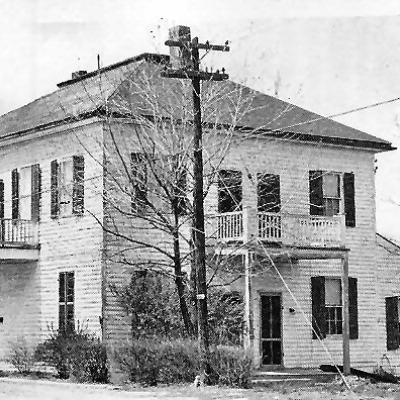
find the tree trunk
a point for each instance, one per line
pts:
(179, 281)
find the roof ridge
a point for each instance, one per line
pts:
(151, 57)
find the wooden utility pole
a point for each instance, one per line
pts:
(187, 63)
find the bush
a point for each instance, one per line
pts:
(232, 365)
(79, 355)
(154, 361)
(20, 356)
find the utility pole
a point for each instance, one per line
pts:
(185, 58)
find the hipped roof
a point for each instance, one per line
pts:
(121, 89)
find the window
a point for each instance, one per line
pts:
(333, 306)
(326, 301)
(26, 193)
(331, 194)
(268, 193)
(325, 195)
(67, 187)
(139, 182)
(66, 321)
(392, 323)
(229, 191)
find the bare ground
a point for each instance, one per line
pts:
(17, 389)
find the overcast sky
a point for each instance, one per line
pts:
(328, 56)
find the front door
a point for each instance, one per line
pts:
(271, 330)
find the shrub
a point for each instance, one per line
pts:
(232, 365)
(79, 354)
(153, 361)
(20, 356)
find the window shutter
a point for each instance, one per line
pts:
(36, 192)
(54, 200)
(14, 194)
(139, 182)
(1, 199)
(316, 193)
(353, 308)
(180, 192)
(78, 191)
(318, 307)
(392, 323)
(349, 199)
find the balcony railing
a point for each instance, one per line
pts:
(18, 233)
(288, 229)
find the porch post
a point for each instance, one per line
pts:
(248, 306)
(345, 311)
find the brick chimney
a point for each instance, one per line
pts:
(180, 57)
(78, 74)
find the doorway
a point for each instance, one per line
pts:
(271, 330)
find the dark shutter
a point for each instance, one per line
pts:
(318, 307)
(78, 191)
(230, 194)
(139, 182)
(392, 323)
(353, 308)
(268, 193)
(54, 200)
(1, 199)
(179, 200)
(349, 200)
(14, 194)
(316, 193)
(36, 192)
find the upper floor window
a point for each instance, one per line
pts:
(67, 186)
(229, 191)
(25, 193)
(325, 194)
(268, 193)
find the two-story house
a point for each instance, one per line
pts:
(292, 200)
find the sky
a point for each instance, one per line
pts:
(326, 56)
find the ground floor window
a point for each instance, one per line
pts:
(66, 294)
(333, 306)
(327, 308)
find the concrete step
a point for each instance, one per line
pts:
(263, 377)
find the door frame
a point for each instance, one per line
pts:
(270, 293)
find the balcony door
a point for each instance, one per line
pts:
(230, 194)
(271, 330)
(269, 207)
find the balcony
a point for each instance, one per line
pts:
(278, 228)
(18, 240)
